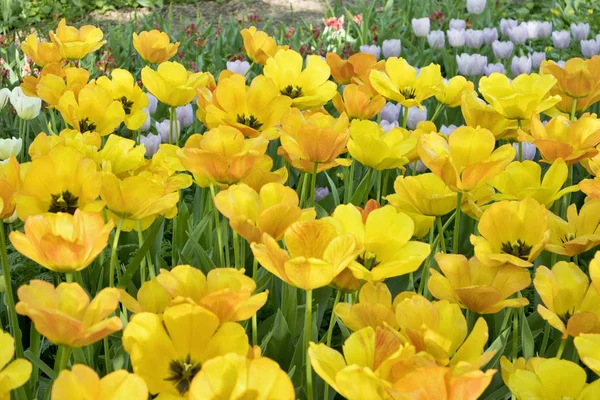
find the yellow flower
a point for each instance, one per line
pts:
(477, 113)
(591, 188)
(355, 69)
(258, 45)
(512, 233)
(63, 242)
(93, 110)
(385, 240)
(521, 99)
(223, 157)
(12, 374)
(226, 292)
(168, 351)
(552, 378)
(232, 377)
(588, 348)
(42, 53)
(359, 102)
(580, 233)
(10, 183)
(422, 197)
(401, 83)
(172, 84)
(120, 155)
(467, 159)
(30, 82)
(87, 143)
(270, 211)
(572, 305)
(73, 43)
(316, 253)
(65, 314)
(82, 383)
(123, 88)
(561, 138)
(255, 110)
(51, 87)
(374, 308)
(481, 289)
(314, 139)
(376, 149)
(307, 88)
(154, 46)
(521, 180)
(453, 91)
(61, 181)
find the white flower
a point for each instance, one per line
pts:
(185, 115)
(458, 24)
(590, 48)
(10, 147)
(391, 48)
(506, 25)
(163, 129)
(475, 6)
(447, 130)
(518, 34)
(490, 35)
(580, 31)
(388, 126)
(146, 125)
(491, 68)
(390, 112)
(151, 143)
(152, 103)
(528, 150)
(502, 50)
(372, 49)
(561, 39)
(238, 67)
(421, 26)
(420, 167)
(544, 30)
(536, 58)
(415, 115)
(4, 97)
(474, 38)
(456, 37)
(533, 28)
(520, 65)
(436, 39)
(10, 219)
(471, 64)
(27, 108)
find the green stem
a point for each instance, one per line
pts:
(338, 295)
(437, 112)
(249, 68)
(520, 143)
(218, 227)
(307, 337)
(313, 185)
(574, 109)
(62, 358)
(254, 316)
(172, 119)
(140, 244)
(379, 183)
(515, 349)
(404, 116)
(386, 178)
(69, 277)
(236, 250)
(425, 273)
(34, 347)
(303, 199)
(15, 330)
(545, 340)
(561, 348)
(113, 254)
(567, 198)
(455, 239)
(349, 183)
(472, 318)
(369, 179)
(440, 228)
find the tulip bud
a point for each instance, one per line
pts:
(421, 26)
(321, 193)
(372, 49)
(185, 115)
(163, 129)
(518, 34)
(420, 167)
(561, 63)
(536, 58)
(520, 65)
(544, 30)
(436, 39)
(4, 96)
(415, 115)
(561, 39)
(238, 67)
(580, 31)
(490, 35)
(502, 50)
(152, 103)
(458, 24)
(388, 126)
(590, 48)
(151, 143)
(390, 112)
(475, 6)
(10, 147)
(391, 48)
(474, 38)
(506, 25)
(447, 130)
(456, 38)
(27, 108)
(471, 64)
(491, 68)
(146, 125)
(532, 29)
(528, 151)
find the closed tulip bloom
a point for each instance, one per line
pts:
(456, 37)
(168, 351)
(26, 107)
(374, 308)
(502, 50)
(477, 113)
(528, 151)
(522, 98)
(358, 102)
(458, 24)
(571, 304)
(590, 48)
(561, 39)
(520, 65)
(491, 68)
(258, 45)
(10, 147)
(580, 31)
(371, 49)
(154, 46)
(579, 233)
(490, 35)
(238, 67)
(390, 112)
(476, 6)
(82, 382)
(401, 83)
(65, 315)
(506, 25)
(391, 48)
(123, 88)
(185, 115)
(436, 39)
(172, 84)
(511, 233)
(51, 87)
(12, 374)
(519, 34)
(474, 38)
(75, 44)
(151, 143)
(479, 288)
(453, 90)
(168, 131)
(466, 159)
(537, 57)
(421, 26)
(471, 64)
(42, 53)
(120, 156)
(587, 345)
(307, 87)
(233, 376)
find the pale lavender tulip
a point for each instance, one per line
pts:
(151, 143)
(490, 35)
(185, 115)
(458, 24)
(580, 31)
(561, 39)
(471, 64)
(518, 34)
(491, 68)
(520, 65)
(391, 48)
(238, 67)
(436, 39)
(421, 26)
(536, 58)
(372, 49)
(476, 6)
(474, 38)
(506, 25)
(502, 50)
(528, 150)
(456, 38)
(390, 112)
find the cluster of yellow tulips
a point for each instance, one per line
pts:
(419, 273)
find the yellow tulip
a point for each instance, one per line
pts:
(307, 88)
(255, 110)
(467, 159)
(82, 383)
(223, 157)
(154, 46)
(376, 149)
(385, 240)
(63, 242)
(270, 211)
(521, 180)
(120, 155)
(355, 69)
(258, 45)
(561, 138)
(521, 99)
(87, 143)
(42, 53)
(12, 374)
(30, 82)
(571, 304)
(481, 289)
(588, 348)
(401, 83)
(374, 308)
(453, 91)
(172, 84)
(314, 140)
(592, 164)
(65, 314)
(422, 128)
(316, 253)
(580, 233)
(73, 43)
(168, 351)
(475, 202)
(591, 188)
(477, 113)
(359, 102)
(123, 88)
(51, 87)
(10, 183)
(512, 233)
(233, 376)
(61, 181)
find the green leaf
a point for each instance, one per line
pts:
(40, 364)
(498, 346)
(280, 347)
(527, 342)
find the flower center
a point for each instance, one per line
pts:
(64, 202)
(86, 125)
(567, 238)
(181, 373)
(292, 91)
(519, 249)
(249, 120)
(409, 93)
(368, 260)
(127, 104)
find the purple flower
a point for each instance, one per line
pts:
(502, 50)
(185, 115)
(520, 65)
(421, 26)
(561, 39)
(474, 38)
(390, 112)
(580, 31)
(320, 193)
(436, 39)
(490, 35)
(372, 49)
(471, 64)
(456, 37)
(391, 48)
(151, 143)
(491, 68)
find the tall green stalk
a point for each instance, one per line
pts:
(307, 337)
(15, 330)
(456, 238)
